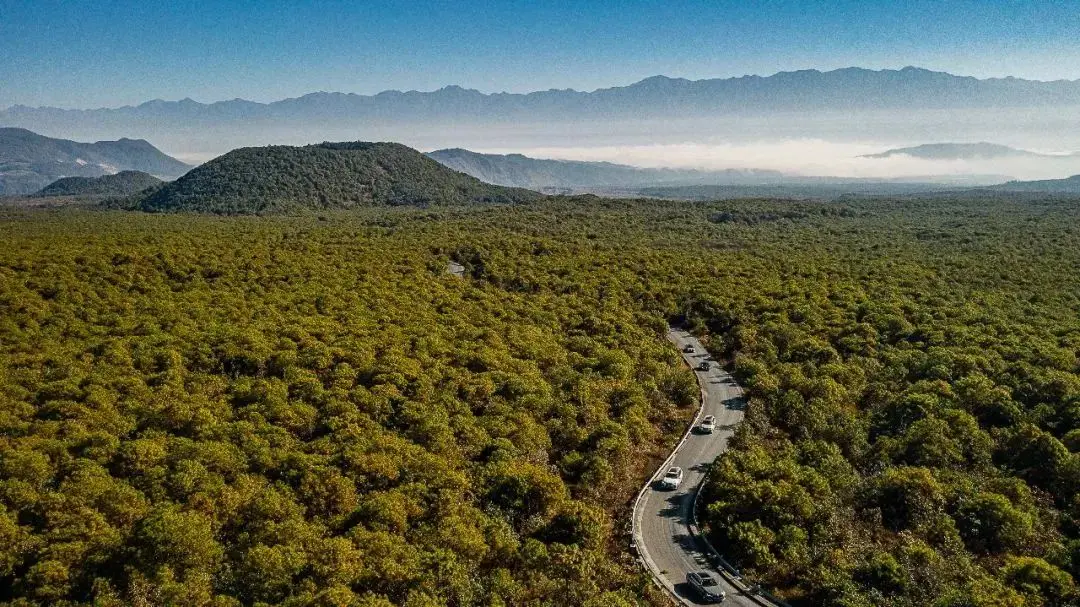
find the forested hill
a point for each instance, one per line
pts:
(322, 177)
(124, 183)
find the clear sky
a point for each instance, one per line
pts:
(79, 53)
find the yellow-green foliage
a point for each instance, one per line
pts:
(248, 410)
(312, 410)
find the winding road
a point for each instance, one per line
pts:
(664, 528)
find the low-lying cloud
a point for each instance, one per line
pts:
(810, 157)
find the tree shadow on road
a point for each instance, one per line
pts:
(735, 404)
(685, 591)
(675, 506)
(686, 541)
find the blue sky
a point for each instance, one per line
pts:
(78, 53)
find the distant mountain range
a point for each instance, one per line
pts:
(965, 151)
(516, 170)
(124, 183)
(29, 161)
(655, 97)
(327, 176)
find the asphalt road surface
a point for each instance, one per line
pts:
(663, 517)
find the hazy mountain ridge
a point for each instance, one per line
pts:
(964, 151)
(517, 170)
(29, 162)
(325, 176)
(124, 183)
(658, 96)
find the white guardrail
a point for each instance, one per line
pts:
(636, 544)
(752, 591)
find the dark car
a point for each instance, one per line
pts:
(704, 366)
(707, 586)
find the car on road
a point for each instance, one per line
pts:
(708, 424)
(703, 366)
(672, 479)
(707, 586)
(688, 349)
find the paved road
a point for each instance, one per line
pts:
(662, 518)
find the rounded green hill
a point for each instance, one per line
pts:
(326, 176)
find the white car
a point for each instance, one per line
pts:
(688, 349)
(672, 479)
(708, 424)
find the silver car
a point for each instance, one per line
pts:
(672, 479)
(708, 424)
(707, 586)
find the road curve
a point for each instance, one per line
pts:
(663, 519)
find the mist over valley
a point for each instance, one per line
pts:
(806, 123)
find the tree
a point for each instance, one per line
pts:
(884, 573)
(988, 522)
(1037, 578)
(908, 497)
(182, 541)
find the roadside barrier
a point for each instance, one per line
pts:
(752, 591)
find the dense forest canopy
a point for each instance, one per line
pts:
(311, 409)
